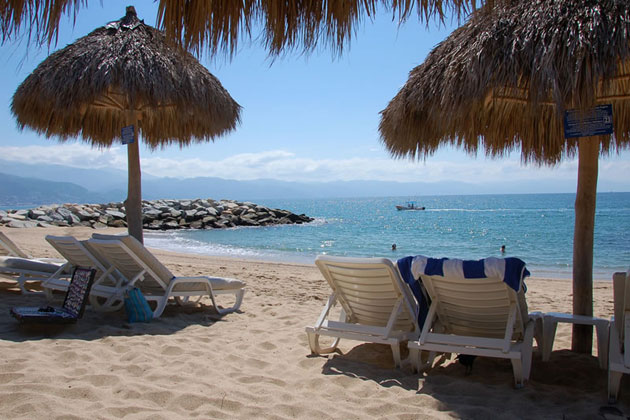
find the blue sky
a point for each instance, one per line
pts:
(305, 118)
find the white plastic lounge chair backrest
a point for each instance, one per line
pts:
(368, 289)
(621, 291)
(78, 253)
(8, 248)
(130, 257)
(477, 307)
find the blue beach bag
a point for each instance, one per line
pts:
(137, 307)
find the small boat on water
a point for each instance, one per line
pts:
(411, 205)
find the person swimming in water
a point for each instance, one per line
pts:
(502, 249)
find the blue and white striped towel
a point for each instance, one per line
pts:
(511, 270)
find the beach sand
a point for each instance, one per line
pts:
(256, 363)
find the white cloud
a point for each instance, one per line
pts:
(284, 165)
(70, 154)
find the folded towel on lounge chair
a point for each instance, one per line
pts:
(511, 270)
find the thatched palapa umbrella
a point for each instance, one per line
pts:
(125, 73)
(504, 80)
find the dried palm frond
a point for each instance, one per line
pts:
(219, 24)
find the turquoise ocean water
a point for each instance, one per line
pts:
(537, 228)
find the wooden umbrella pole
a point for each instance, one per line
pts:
(585, 203)
(133, 204)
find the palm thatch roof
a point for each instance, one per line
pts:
(504, 79)
(120, 72)
(218, 24)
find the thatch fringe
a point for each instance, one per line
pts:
(503, 80)
(218, 24)
(40, 16)
(126, 69)
(287, 25)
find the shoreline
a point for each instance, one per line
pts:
(35, 244)
(309, 260)
(256, 362)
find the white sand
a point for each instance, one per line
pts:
(192, 363)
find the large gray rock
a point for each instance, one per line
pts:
(65, 214)
(16, 216)
(21, 224)
(35, 213)
(115, 214)
(85, 215)
(171, 225)
(105, 219)
(151, 214)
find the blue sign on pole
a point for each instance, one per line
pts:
(127, 134)
(591, 122)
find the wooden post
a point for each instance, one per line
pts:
(585, 202)
(133, 203)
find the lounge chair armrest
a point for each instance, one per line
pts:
(216, 283)
(190, 279)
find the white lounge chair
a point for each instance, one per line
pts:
(376, 304)
(155, 281)
(8, 248)
(474, 311)
(619, 346)
(18, 266)
(107, 292)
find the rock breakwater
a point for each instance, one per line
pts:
(156, 215)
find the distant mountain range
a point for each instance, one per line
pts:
(25, 185)
(18, 191)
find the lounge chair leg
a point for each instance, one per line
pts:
(49, 294)
(614, 379)
(517, 368)
(539, 336)
(527, 349)
(602, 329)
(313, 342)
(111, 304)
(396, 353)
(161, 305)
(237, 304)
(549, 334)
(414, 357)
(22, 285)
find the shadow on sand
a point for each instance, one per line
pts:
(174, 318)
(569, 386)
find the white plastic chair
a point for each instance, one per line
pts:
(156, 282)
(477, 316)
(376, 304)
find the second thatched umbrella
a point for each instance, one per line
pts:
(504, 80)
(125, 73)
